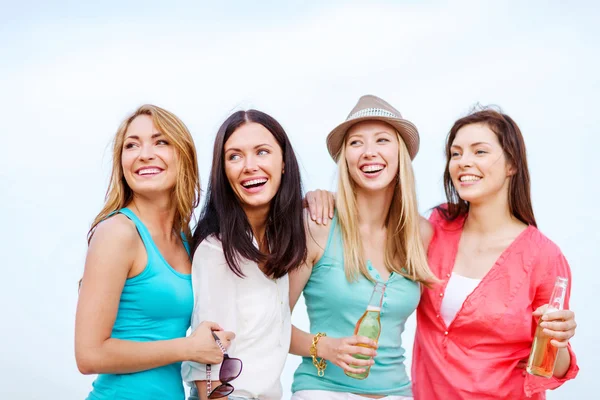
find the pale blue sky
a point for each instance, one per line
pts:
(69, 73)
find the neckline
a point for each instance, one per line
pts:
(371, 268)
(465, 278)
(147, 231)
(498, 260)
(488, 275)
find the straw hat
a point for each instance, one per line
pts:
(368, 108)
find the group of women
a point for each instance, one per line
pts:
(478, 272)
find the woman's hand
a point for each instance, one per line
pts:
(202, 347)
(340, 352)
(321, 205)
(559, 325)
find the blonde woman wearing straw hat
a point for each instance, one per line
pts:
(375, 237)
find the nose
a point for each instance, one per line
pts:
(250, 165)
(370, 151)
(465, 161)
(147, 152)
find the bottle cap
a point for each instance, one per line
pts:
(561, 281)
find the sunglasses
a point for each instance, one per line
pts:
(231, 368)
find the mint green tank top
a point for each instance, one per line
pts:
(334, 306)
(155, 305)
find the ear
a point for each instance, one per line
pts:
(512, 170)
(283, 169)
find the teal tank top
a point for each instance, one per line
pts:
(155, 305)
(334, 306)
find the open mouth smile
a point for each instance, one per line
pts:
(254, 185)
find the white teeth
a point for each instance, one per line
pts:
(469, 178)
(149, 171)
(372, 168)
(254, 182)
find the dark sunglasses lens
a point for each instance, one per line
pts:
(221, 391)
(230, 369)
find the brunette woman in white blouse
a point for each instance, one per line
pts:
(250, 235)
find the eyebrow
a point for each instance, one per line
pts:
(154, 136)
(374, 134)
(472, 144)
(255, 147)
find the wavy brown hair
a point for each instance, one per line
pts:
(187, 186)
(511, 140)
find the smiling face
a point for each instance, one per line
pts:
(478, 166)
(372, 152)
(253, 165)
(148, 160)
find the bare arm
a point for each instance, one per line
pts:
(336, 350)
(563, 363)
(339, 351)
(301, 341)
(111, 255)
(426, 231)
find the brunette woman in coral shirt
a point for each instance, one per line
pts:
(497, 270)
(476, 327)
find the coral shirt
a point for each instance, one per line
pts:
(476, 356)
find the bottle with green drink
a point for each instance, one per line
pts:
(369, 325)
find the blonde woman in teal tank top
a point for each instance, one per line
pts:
(374, 237)
(136, 297)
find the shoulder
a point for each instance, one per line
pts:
(437, 218)
(209, 258)
(116, 231)
(208, 250)
(547, 259)
(426, 230)
(114, 245)
(211, 242)
(316, 236)
(546, 247)
(316, 232)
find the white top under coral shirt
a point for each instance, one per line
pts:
(458, 289)
(256, 308)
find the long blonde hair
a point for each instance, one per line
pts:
(186, 192)
(404, 252)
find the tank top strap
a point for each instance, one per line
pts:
(335, 234)
(142, 230)
(186, 245)
(334, 248)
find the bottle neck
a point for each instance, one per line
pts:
(376, 297)
(557, 300)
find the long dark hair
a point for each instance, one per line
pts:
(224, 217)
(511, 140)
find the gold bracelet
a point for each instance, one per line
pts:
(319, 364)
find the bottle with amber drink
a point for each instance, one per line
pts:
(369, 325)
(542, 358)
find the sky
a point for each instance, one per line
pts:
(71, 71)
